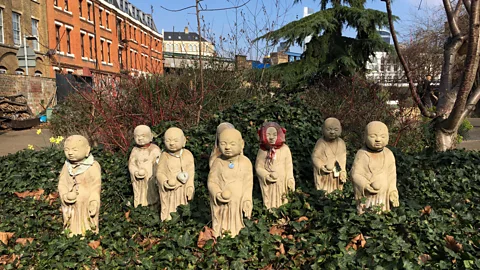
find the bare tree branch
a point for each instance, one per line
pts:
(206, 9)
(411, 85)
(471, 67)
(452, 22)
(467, 5)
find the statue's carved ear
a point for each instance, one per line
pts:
(88, 150)
(242, 143)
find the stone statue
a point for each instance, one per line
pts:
(274, 166)
(175, 173)
(329, 158)
(216, 150)
(142, 164)
(230, 184)
(79, 187)
(373, 173)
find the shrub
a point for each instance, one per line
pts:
(310, 232)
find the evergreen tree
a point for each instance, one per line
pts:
(329, 53)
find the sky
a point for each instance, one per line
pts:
(259, 16)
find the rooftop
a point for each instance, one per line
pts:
(182, 36)
(144, 18)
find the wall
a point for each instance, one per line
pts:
(35, 89)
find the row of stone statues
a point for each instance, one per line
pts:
(165, 180)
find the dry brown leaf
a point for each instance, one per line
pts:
(282, 249)
(206, 235)
(453, 244)
(268, 267)
(127, 216)
(424, 258)
(23, 241)
(52, 197)
(356, 242)
(274, 230)
(37, 194)
(300, 219)
(94, 244)
(5, 236)
(7, 259)
(148, 243)
(290, 237)
(426, 210)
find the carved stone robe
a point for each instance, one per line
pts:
(168, 168)
(239, 180)
(274, 193)
(377, 169)
(145, 190)
(329, 153)
(88, 183)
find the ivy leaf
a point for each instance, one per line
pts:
(185, 240)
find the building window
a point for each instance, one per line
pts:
(107, 24)
(131, 59)
(100, 17)
(119, 30)
(82, 44)
(35, 43)
(57, 36)
(3, 70)
(89, 11)
(120, 58)
(66, 5)
(38, 73)
(101, 50)
(68, 41)
(175, 48)
(108, 52)
(1, 26)
(190, 47)
(90, 39)
(55, 2)
(80, 4)
(19, 71)
(16, 29)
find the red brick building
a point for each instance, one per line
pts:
(102, 37)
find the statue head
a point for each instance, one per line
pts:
(143, 135)
(220, 129)
(76, 148)
(231, 143)
(376, 135)
(174, 139)
(272, 135)
(332, 129)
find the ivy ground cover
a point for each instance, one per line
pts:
(436, 226)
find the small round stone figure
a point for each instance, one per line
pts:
(374, 173)
(216, 150)
(274, 166)
(230, 184)
(142, 165)
(79, 187)
(175, 173)
(329, 158)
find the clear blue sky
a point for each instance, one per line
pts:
(221, 23)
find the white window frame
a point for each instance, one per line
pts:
(35, 43)
(2, 38)
(15, 14)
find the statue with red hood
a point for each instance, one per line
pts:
(274, 166)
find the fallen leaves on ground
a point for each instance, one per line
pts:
(453, 244)
(52, 197)
(206, 235)
(37, 194)
(5, 236)
(94, 244)
(356, 242)
(23, 241)
(300, 219)
(8, 259)
(149, 242)
(274, 230)
(268, 267)
(424, 258)
(281, 250)
(426, 210)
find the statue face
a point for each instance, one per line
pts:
(76, 150)
(174, 140)
(231, 143)
(142, 136)
(271, 135)
(331, 130)
(377, 136)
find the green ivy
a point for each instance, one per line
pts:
(448, 182)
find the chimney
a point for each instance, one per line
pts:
(186, 30)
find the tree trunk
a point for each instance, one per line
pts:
(445, 140)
